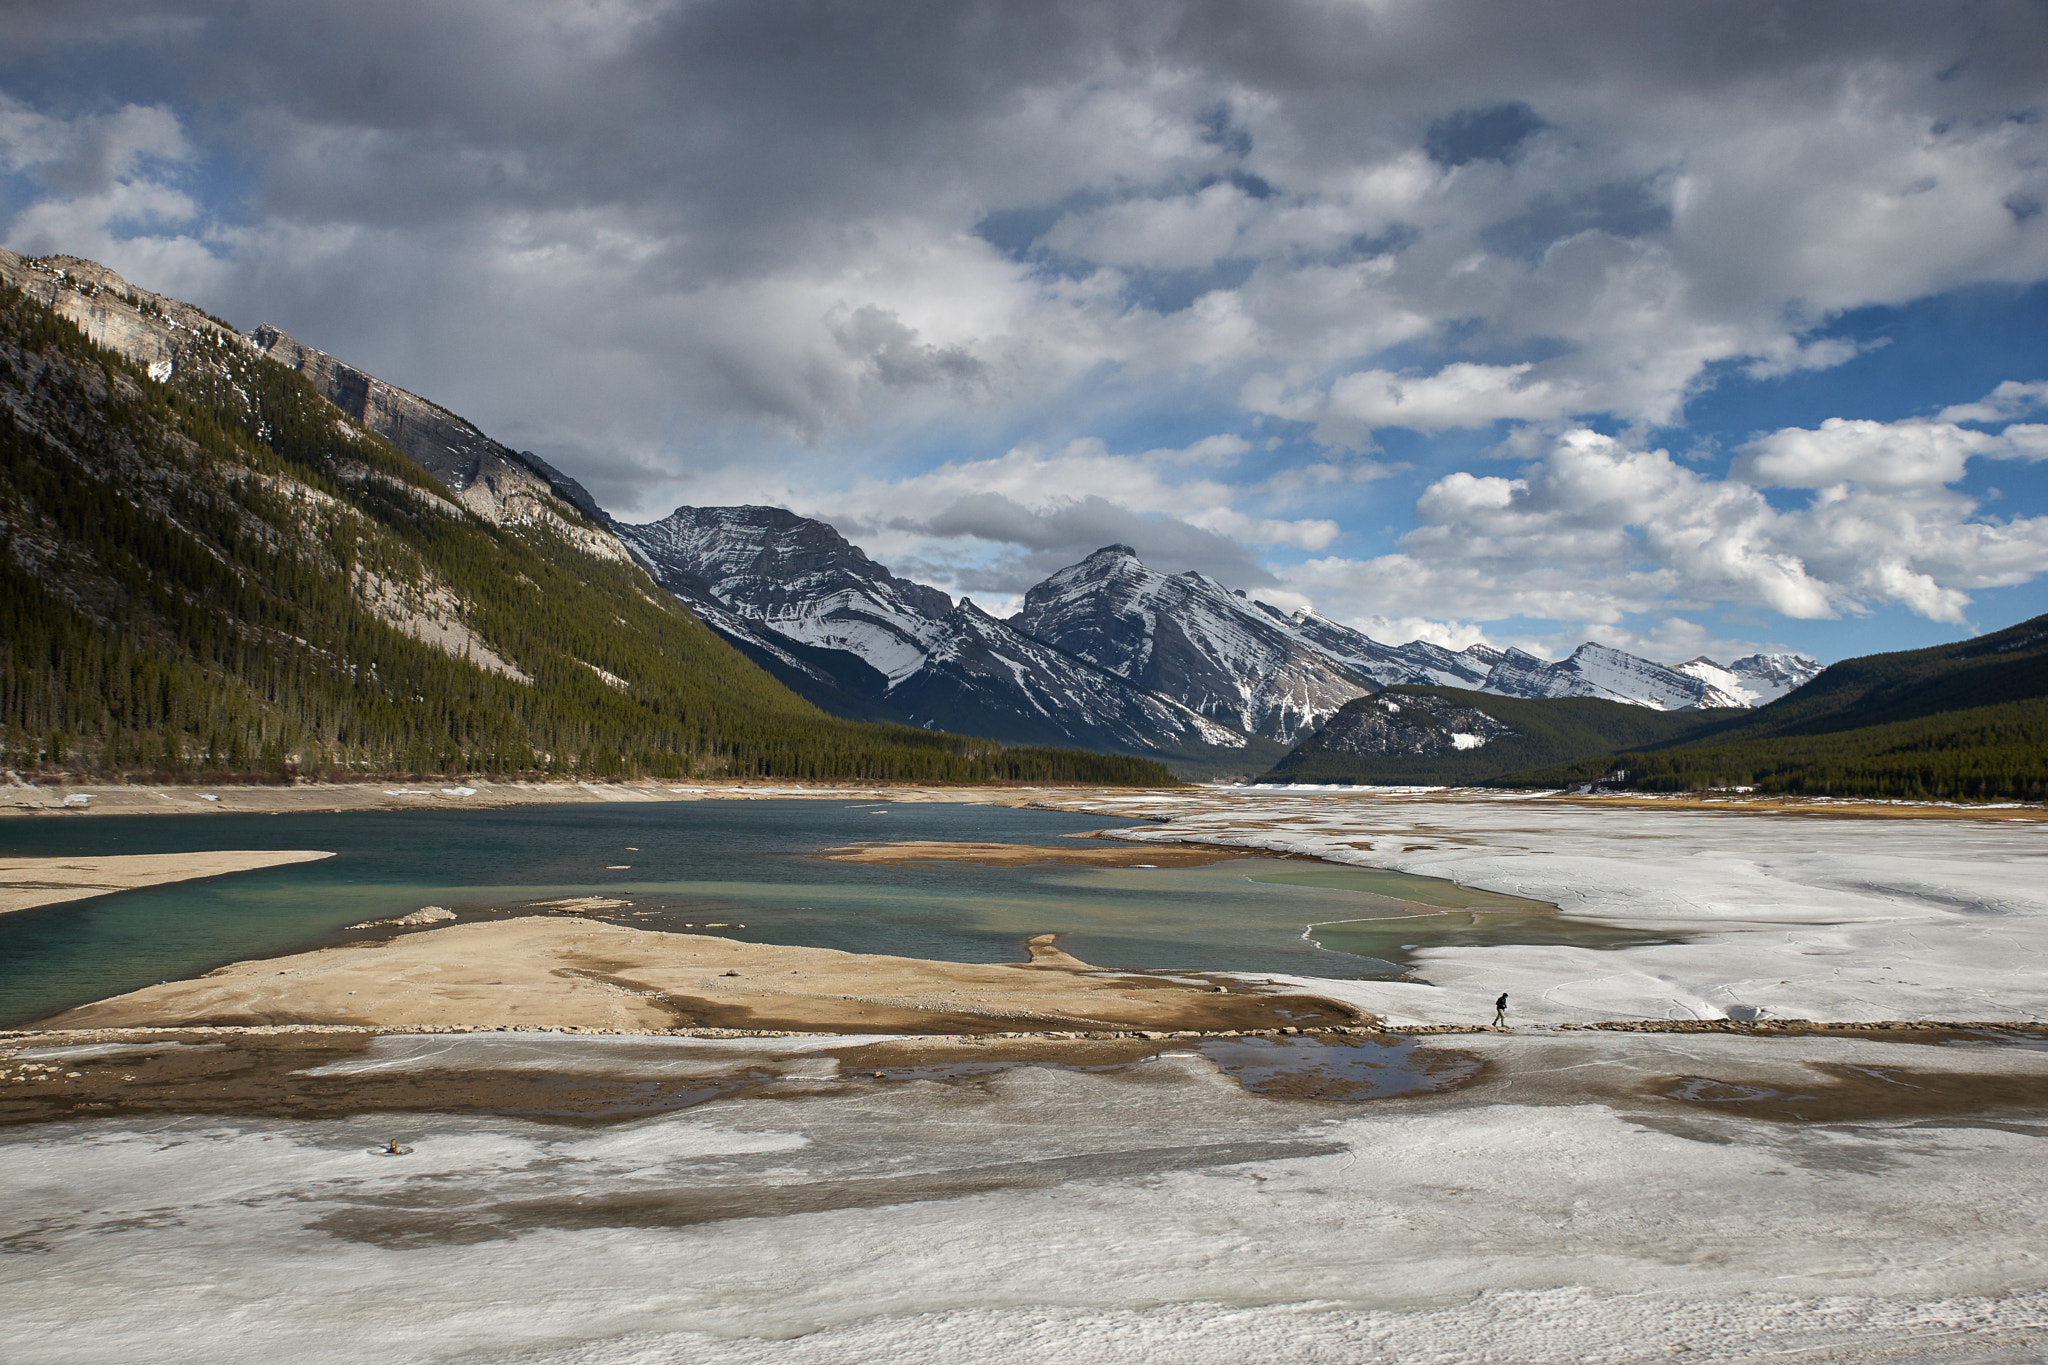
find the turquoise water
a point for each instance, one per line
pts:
(753, 863)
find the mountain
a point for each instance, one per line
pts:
(1595, 670)
(1188, 637)
(1266, 672)
(1755, 680)
(207, 566)
(499, 484)
(1962, 721)
(1443, 736)
(857, 640)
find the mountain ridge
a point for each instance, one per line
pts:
(1107, 654)
(793, 591)
(206, 566)
(1967, 720)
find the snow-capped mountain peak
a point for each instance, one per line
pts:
(854, 638)
(800, 577)
(1188, 637)
(1755, 679)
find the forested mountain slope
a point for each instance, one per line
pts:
(205, 566)
(1448, 736)
(1962, 721)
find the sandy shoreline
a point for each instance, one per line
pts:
(63, 799)
(19, 799)
(29, 882)
(557, 970)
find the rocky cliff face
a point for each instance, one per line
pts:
(149, 329)
(499, 484)
(859, 641)
(800, 578)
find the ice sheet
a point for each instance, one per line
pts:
(1786, 916)
(1039, 1215)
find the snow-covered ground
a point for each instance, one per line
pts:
(1558, 1209)
(1783, 916)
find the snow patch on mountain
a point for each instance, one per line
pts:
(800, 578)
(846, 631)
(1757, 679)
(1188, 637)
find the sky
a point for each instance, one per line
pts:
(1689, 328)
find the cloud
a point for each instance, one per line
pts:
(1914, 454)
(1594, 531)
(1460, 395)
(111, 184)
(2009, 400)
(999, 525)
(627, 231)
(720, 251)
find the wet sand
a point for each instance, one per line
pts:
(1818, 1077)
(328, 1075)
(563, 970)
(28, 882)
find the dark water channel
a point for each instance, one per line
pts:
(749, 862)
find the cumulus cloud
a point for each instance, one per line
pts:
(1881, 455)
(823, 218)
(1458, 395)
(1595, 531)
(2009, 400)
(997, 526)
(112, 184)
(713, 250)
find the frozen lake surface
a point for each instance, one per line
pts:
(1766, 916)
(1532, 1196)
(1572, 1199)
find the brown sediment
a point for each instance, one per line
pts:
(1838, 810)
(273, 1075)
(1854, 1091)
(1020, 855)
(284, 1073)
(29, 882)
(534, 971)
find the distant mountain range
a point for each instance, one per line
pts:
(1107, 655)
(1963, 721)
(1966, 721)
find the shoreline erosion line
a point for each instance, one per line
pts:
(85, 799)
(1767, 1028)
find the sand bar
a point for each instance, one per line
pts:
(555, 970)
(29, 882)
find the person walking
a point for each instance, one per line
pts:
(1500, 1011)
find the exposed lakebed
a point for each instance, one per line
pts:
(716, 865)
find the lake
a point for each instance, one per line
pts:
(741, 862)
